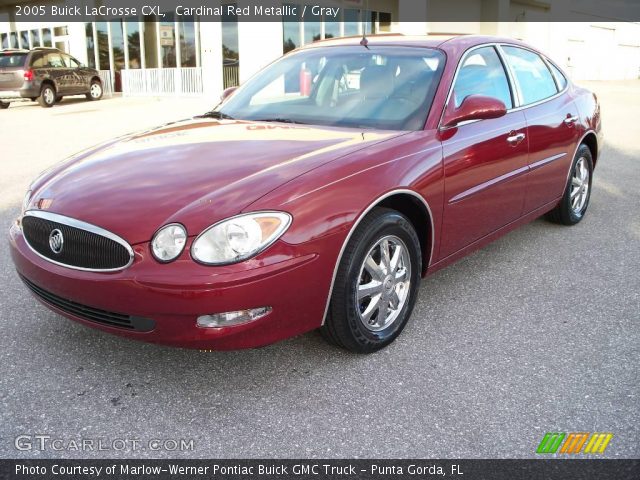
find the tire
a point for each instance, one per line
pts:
(95, 91)
(4, 105)
(47, 96)
(353, 323)
(575, 200)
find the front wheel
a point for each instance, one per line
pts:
(4, 105)
(575, 200)
(376, 285)
(95, 91)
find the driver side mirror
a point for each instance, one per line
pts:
(473, 107)
(226, 93)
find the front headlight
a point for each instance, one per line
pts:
(168, 242)
(239, 238)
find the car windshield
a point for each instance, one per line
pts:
(389, 88)
(12, 59)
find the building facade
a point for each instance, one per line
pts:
(149, 55)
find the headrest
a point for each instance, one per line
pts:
(376, 81)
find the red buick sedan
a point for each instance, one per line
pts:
(317, 195)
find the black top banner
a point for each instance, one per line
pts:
(552, 469)
(328, 10)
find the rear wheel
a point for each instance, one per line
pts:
(376, 284)
(4, 105)
(575, 200)
(47, 96)
(95, 91)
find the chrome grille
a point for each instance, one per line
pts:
(75, 244)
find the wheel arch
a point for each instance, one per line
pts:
(419, 214)
(591, 141)
(411, 204)
(50, 83)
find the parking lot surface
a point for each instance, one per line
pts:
(538, 332)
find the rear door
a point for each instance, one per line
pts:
(552, 124)
(12, 70)
(485, 162)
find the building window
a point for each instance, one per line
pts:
(230, 50)
(61, 31)
(91, 49)
(13, 40)
(117, 45)
(331, 28)
(168, 41)
(384, 22)
(24, 39)
(133, 42)
(4, 40)
(351, 22)
(188, 47)
(46, 38)
(102, 34)
(35, 38)
(312, 28)
(290, 32)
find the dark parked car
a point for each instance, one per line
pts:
(316, 195)
(45, 75)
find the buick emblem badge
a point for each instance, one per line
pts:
(56, 241)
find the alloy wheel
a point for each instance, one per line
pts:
(579, 186)
(383, 283)
(96, 90)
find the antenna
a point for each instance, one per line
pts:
(364, 42)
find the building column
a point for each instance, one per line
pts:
(211, 60)
(259, 44)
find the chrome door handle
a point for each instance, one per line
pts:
(570, 120)
(516, 138)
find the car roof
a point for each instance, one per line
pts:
(36, 49)
(426, 41)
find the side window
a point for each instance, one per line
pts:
(532, 75)
(54, 60)
(482, 73)
(561, 80)
(70, 62)
(38, 61)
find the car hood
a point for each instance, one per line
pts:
(195, 172)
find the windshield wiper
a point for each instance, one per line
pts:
(279, 120)
(215, 114)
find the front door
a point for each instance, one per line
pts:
(485, 162)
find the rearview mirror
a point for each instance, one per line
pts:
(227, 92)
(474, 107)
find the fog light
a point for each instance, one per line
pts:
(227, 319)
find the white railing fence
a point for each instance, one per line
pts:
(230, 76)
(107, 82)
(162, 81)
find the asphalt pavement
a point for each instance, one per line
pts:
(538, 332)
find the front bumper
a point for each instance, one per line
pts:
(293, 280)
